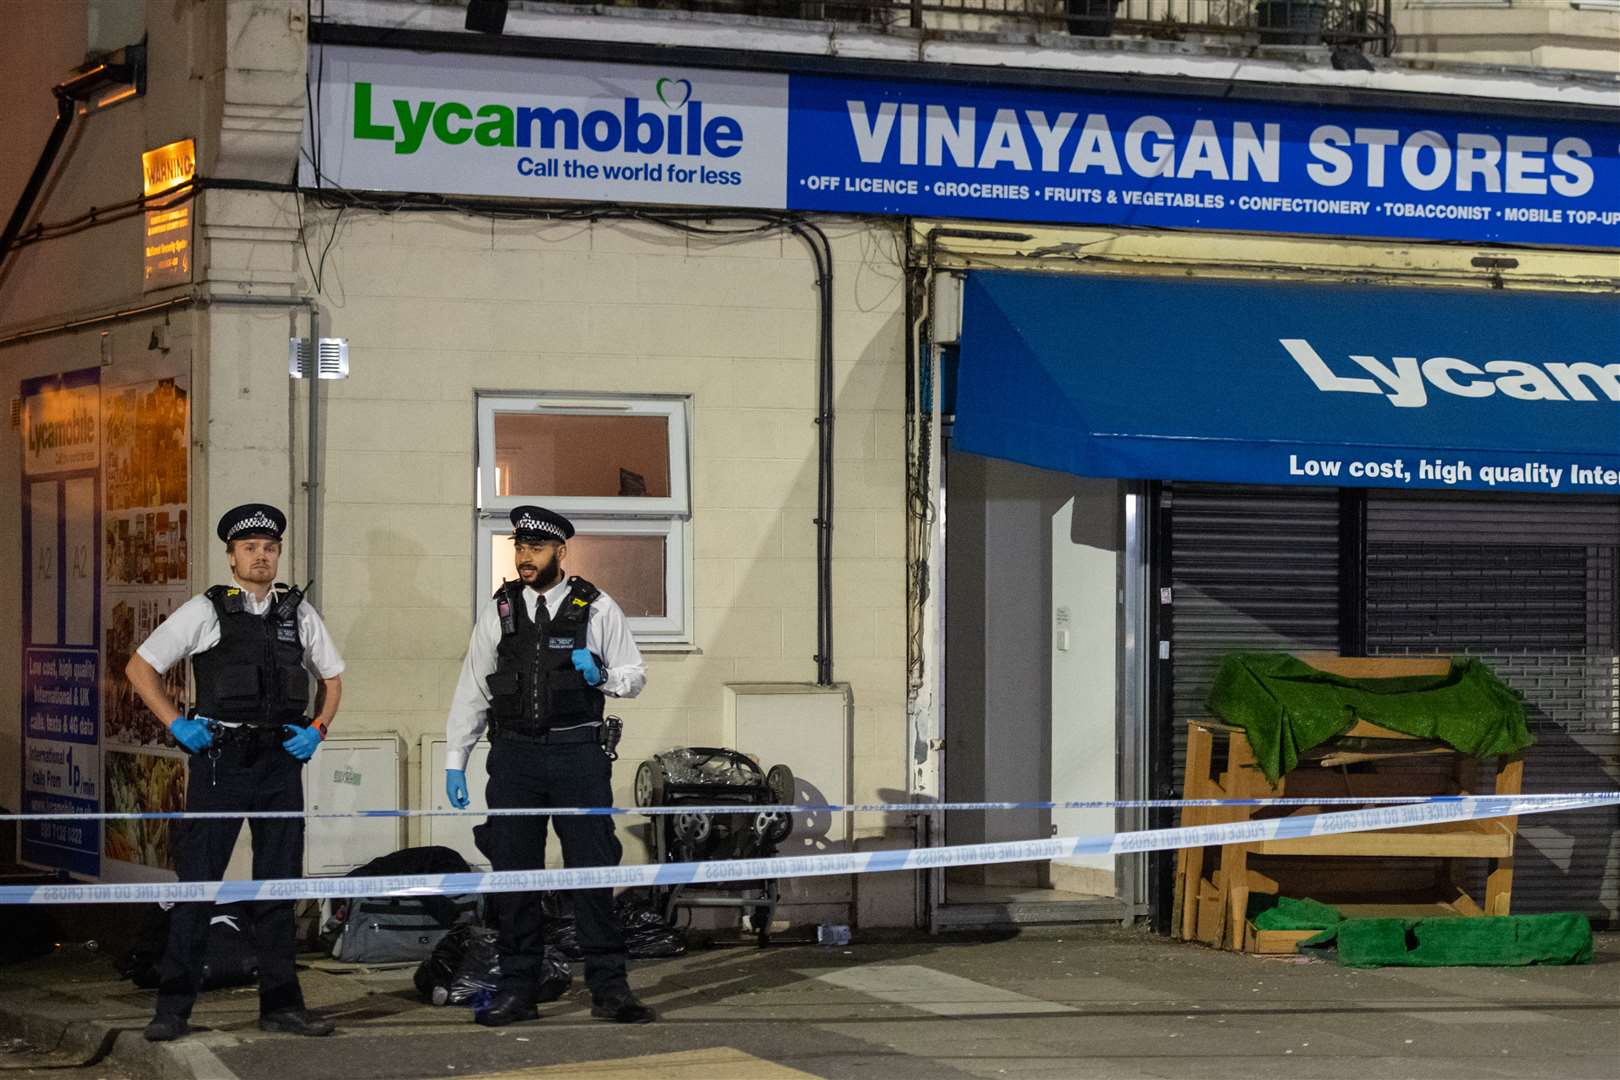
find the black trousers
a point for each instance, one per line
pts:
(528, 774)
(245, 777)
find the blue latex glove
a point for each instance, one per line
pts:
(585, 664)
(303, 741)
(455, 788)
(193, 734)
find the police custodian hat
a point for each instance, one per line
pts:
(536, 524)
(252, 520)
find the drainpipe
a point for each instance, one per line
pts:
(312, 482)
(822, 256)
(312, 476)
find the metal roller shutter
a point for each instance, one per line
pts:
(1250, 568)
(1530, 586)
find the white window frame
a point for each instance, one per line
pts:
(608, 515)
(674, 628)
(673, 409)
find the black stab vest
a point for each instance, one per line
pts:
(534, 687)
(255, 675)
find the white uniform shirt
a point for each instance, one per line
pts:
(194, 628)
(607, 635)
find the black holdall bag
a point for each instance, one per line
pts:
(394, 930)
(231, 959)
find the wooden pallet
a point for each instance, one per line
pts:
(1213, 885)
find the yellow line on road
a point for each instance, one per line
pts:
(714, 1063)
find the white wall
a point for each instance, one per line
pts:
(1085, 608)
(1566, 36)
(1024, 719)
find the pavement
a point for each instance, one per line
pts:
(1053, 1003)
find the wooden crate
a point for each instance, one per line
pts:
(1211, 900)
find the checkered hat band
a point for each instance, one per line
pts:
(529, 524)
(257, 521)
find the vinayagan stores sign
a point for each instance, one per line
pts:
(523, 127)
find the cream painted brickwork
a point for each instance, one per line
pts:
(1562, 34)
(436, 307)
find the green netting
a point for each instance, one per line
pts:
(1286, 707)
(1495, 941)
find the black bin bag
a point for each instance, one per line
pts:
(466, 967)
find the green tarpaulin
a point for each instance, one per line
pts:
(1286, 707)
(1492, 941)
(1290, 914)
(1444, 941)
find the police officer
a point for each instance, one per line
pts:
(251, 644)
(545, 652)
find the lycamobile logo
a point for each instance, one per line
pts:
(1405, 379)
(628, 129)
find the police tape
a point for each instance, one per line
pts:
(677, 809)
(1432, 812)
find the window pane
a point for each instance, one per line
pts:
(550, 454)
(628, 568)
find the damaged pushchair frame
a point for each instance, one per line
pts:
(715, 776)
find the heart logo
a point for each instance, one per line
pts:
(668, 89)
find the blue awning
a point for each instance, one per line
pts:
(1266, 383)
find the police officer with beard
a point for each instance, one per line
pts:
(545, 652)
(252, 645)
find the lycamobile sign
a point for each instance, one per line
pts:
(511, 126)
(532, 128)
(679, 129)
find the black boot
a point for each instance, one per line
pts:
(295, 1022)
(622, 1009)
(166, 1027)
(508, 1007)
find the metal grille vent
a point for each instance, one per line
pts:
(331, 359)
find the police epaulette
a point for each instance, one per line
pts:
(228, 598)
(581, 592)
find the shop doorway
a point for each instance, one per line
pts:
(1039, 702)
